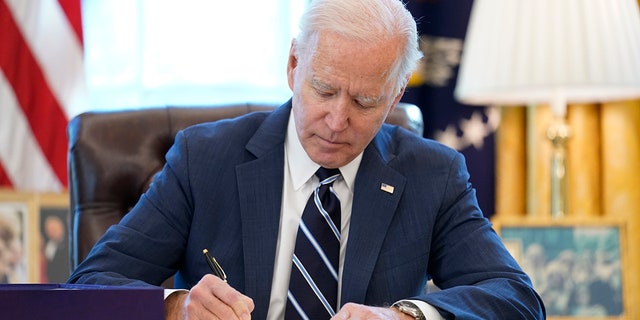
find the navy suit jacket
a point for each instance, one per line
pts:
(221, 189)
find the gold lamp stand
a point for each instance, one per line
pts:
(559, 133)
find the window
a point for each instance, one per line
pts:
(191, 52)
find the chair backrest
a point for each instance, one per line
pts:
(113, 157)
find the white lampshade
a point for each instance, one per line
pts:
(546, 51)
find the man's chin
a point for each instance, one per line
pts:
(330, 160)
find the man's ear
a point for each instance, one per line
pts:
(398, 97)
(292, 63)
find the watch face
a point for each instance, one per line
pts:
(410, 309)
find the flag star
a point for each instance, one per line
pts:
(474, 130)
(449, 137)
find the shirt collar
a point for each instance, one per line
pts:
(302, 168)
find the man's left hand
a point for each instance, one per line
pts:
(358, 311)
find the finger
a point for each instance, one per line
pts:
(199, 303)
(203, 302)
(240, 305)
(355, 311)
(225, 301)
(342, 314)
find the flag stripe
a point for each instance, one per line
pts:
(73, 11)
(46, 119)
(4, 179)
(25, 165)
(56, 48)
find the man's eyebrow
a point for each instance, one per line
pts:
(320, 85)
(369, 100)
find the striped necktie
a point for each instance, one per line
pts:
(313, 287)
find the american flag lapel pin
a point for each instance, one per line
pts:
(387, 188)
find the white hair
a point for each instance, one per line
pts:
(364, 20)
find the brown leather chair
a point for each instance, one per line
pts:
(113, 157)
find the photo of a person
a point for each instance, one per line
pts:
(12, 258)
(55, 245)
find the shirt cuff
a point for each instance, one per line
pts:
(168, 292)
(429, 311)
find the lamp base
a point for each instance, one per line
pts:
(558, 133)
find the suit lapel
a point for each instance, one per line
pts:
(374, 205)
(260, 191)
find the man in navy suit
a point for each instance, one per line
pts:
(238, 188)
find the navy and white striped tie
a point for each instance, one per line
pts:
(313, 287)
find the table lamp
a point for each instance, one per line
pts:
(529, 52)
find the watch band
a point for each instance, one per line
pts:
(409, 308)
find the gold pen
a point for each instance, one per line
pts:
(214, 265)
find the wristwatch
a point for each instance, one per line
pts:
(409, 308)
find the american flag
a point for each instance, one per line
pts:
(41, 84)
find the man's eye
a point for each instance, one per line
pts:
(365, 105)
(324, 93)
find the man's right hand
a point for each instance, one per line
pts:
(211, 298)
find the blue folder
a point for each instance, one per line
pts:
(75, 302)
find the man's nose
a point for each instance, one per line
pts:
(338, 116)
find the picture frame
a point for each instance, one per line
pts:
(19, 237)
(53, 232)
(576, 265)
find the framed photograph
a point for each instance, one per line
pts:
(577, 266)
(53, 227)
(19, 245)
